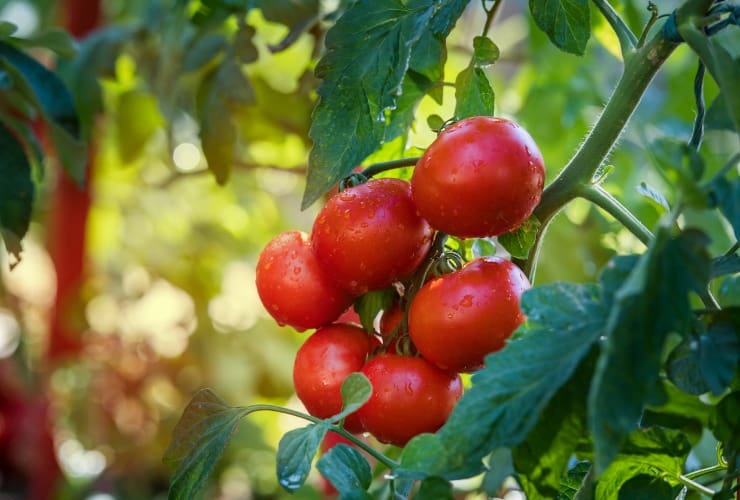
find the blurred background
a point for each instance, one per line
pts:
(138, 289)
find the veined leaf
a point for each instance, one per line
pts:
(566, 22)
(198, 440)
(16, 192)
(434, 488)
(295, 454)
(346, 469)
(473, 94)
(520, 241)
(356, 390)
(652, 302)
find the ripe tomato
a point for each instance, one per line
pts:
(482, 176)
(370, 235)
(293, 287)
(322, 363)
(458, 318)
(410, 396)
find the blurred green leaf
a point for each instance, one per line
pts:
(435, 122)
(725, 264)
(672, 157)
(500, 466)
(726, 194)
(198, 440)
(718, 115)
(425, 455)
(654, 195)
(482, 247)
(243, 45)
(520, 241)
(7, 29)
(356, 390)
(566, 22)
(646, 487)
(473, 94)
(346, 469)
(56, 40)
(652, 302)
(434, 488)
(137, 118)
(485, 52)
(291, 13)
(509, 394)
(725, 422)
(295, 454)
(16, 192)
(360, 85)
(729, 291)
(203, 50)
(370, 304)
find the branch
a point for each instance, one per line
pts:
(627, 39)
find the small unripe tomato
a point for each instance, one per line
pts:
(457, 319)
(410, 396)
(370, 235)
(482, 176)
(322, 364)
(293, 287)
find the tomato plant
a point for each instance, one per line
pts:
(459, 318)
(370, 235)
(293, 287)
(483, 176)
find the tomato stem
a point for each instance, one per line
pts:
(695, 486)
(377, 168)
(601, 198)
(627, 39)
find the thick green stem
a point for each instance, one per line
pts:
(598, 196)
(696, 486)
(627, 39)
(377, 168)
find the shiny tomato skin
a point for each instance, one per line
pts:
(482, 176)
(410, 396)
(370, 235)
(293, 287)
(459, 318)
(322, 364)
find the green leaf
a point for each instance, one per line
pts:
(137, 118)
(718, 115)
(485, 52)
(683, 369)
(657, 453)
(646, 487)
(359, 85)
(356, 390)
(52, 98)
(434, 488)
(424, 456)
(346, 469)
(56, 40)
(291, 13)
(16, 192)
(726, 195)
(202, 50)
(566, 22)
(721, 62)
(654, 195)
(571, 482)
(482, 247)
(509, 394)
(369, 305)
(652, 302)
(221, 94)
(725, 422)
(519, 242)
(243, 44)
(473, 94)
(672, 157)
(295, 454)
(725, 264)
(500, 466)
(435, 122)
(7, 29)
(198, 440)
(729, 291)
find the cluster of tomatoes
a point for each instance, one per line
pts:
(481, 177)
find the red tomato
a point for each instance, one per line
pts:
(483, 176)
(370, 235)
(458, 318)
(293, 287)
(322, 363)
(410, 396)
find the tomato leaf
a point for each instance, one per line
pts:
(571, 482)
(56, 40)
(725, 264)
(198, 440)
(137, 118)
(654, 195)
(725, 421)
(485, 52)
(202, 50)
(500, 466)
(482, 247)
(295, 454)
(16, 192)
(356, 390)
(434, 488)
(473, 94)
(520, 241)
(346, 469)
(726, 195)
(652, 302)
(55, 103)
(508, 395)
(360, 86)
(566, 22)
(369, 305)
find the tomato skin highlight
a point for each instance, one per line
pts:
(322, 364)
(482, 176)
(370, 235)
(294, 289)
(410, 396)
(459, 318)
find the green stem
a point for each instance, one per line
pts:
(391, 464)
(654, 14)
(627, 39)
(598, 196)
(695, 486)
(490, 15)
(705, 471)
(377, 168)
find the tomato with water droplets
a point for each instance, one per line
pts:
(370, 235)
(293, 287)
(458, 318)
(410, 396)
(322, 364)
(482, 176)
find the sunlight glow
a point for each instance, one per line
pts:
(10, 334)
(79, 462)
(186, 157)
